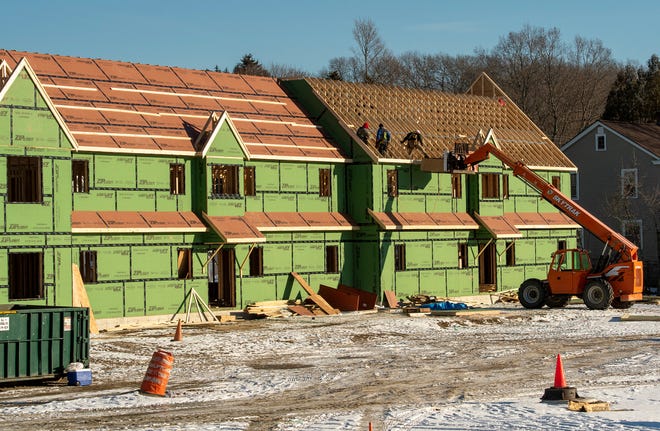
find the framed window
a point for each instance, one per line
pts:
(505, 186)
(556, 181)
(80, 176)
(463, 255)
(510, 253)
(601, 142)
(331, 259)
(177, 179)
(456, 186)
(399, 257)
(392, 183)
(325, 182)
(490, 186)
(629, 183)
(257, 262)
(24, 179)
(575, 191)
(26, 276)
(632, 229)
(224, 180)
(184, 264)
(249, 181)
(88, 268)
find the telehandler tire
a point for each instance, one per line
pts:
(532, 293)
(598, 294)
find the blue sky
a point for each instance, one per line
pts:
(307, 34)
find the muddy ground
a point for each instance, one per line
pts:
(264, 373)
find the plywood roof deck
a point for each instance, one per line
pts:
(443, 119)
(139, 107)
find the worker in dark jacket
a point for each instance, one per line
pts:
(383, 137)
(363, 132)
(414, 140)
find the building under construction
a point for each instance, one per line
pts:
(148, 181)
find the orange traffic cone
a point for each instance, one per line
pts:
(178, 335)
(560, 380)
(560, 391)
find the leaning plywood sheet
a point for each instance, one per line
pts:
(344, 301)
(80, 298)
(390, 296)
(316, 298)
(367, 299)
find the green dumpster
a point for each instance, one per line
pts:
(38, 342)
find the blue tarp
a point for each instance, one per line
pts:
(446, 305)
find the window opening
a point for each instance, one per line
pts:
(249, 183)
(26, 279)
(392, 183)
(332, 259)
(184, 263)
(257, 262)
(177, 179)
(80, 176)
(88, 268)
(224, 181)
(325, 184)
(399, 257)
(23, 179)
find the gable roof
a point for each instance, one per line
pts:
(130, 107)
(646, 136)
(443, 119)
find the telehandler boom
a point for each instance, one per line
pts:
(616, 279)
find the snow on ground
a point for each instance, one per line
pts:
(342, 372)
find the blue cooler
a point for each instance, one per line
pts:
(81, 377)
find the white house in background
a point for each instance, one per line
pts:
(617, 180)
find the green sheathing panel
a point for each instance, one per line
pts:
(26, 120)
(225, 145)
(28, 128)
(303, 253)
(133, 183)
(359, 191)
(281, 186)
(417, 191)
(137, 273)
(431, 264)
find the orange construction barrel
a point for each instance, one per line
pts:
(158, 373)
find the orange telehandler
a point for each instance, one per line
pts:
(617, 278)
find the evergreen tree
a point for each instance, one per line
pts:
(250, 66)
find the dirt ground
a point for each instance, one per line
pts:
(266, 372)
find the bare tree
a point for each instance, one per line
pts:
(370, 47)
(284, 71)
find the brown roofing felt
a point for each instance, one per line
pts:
(139, 107)
(646, 135)
(135, 221)
(423, 221)
(442, 118)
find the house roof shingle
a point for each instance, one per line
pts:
(646, 135)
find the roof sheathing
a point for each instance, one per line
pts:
(129, 107)
(443, 119)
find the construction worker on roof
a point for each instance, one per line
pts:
(363, 132)
(383, 137)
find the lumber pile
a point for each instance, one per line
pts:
(315, 297)
(505, 296)
(588, 405)
(282, 308)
